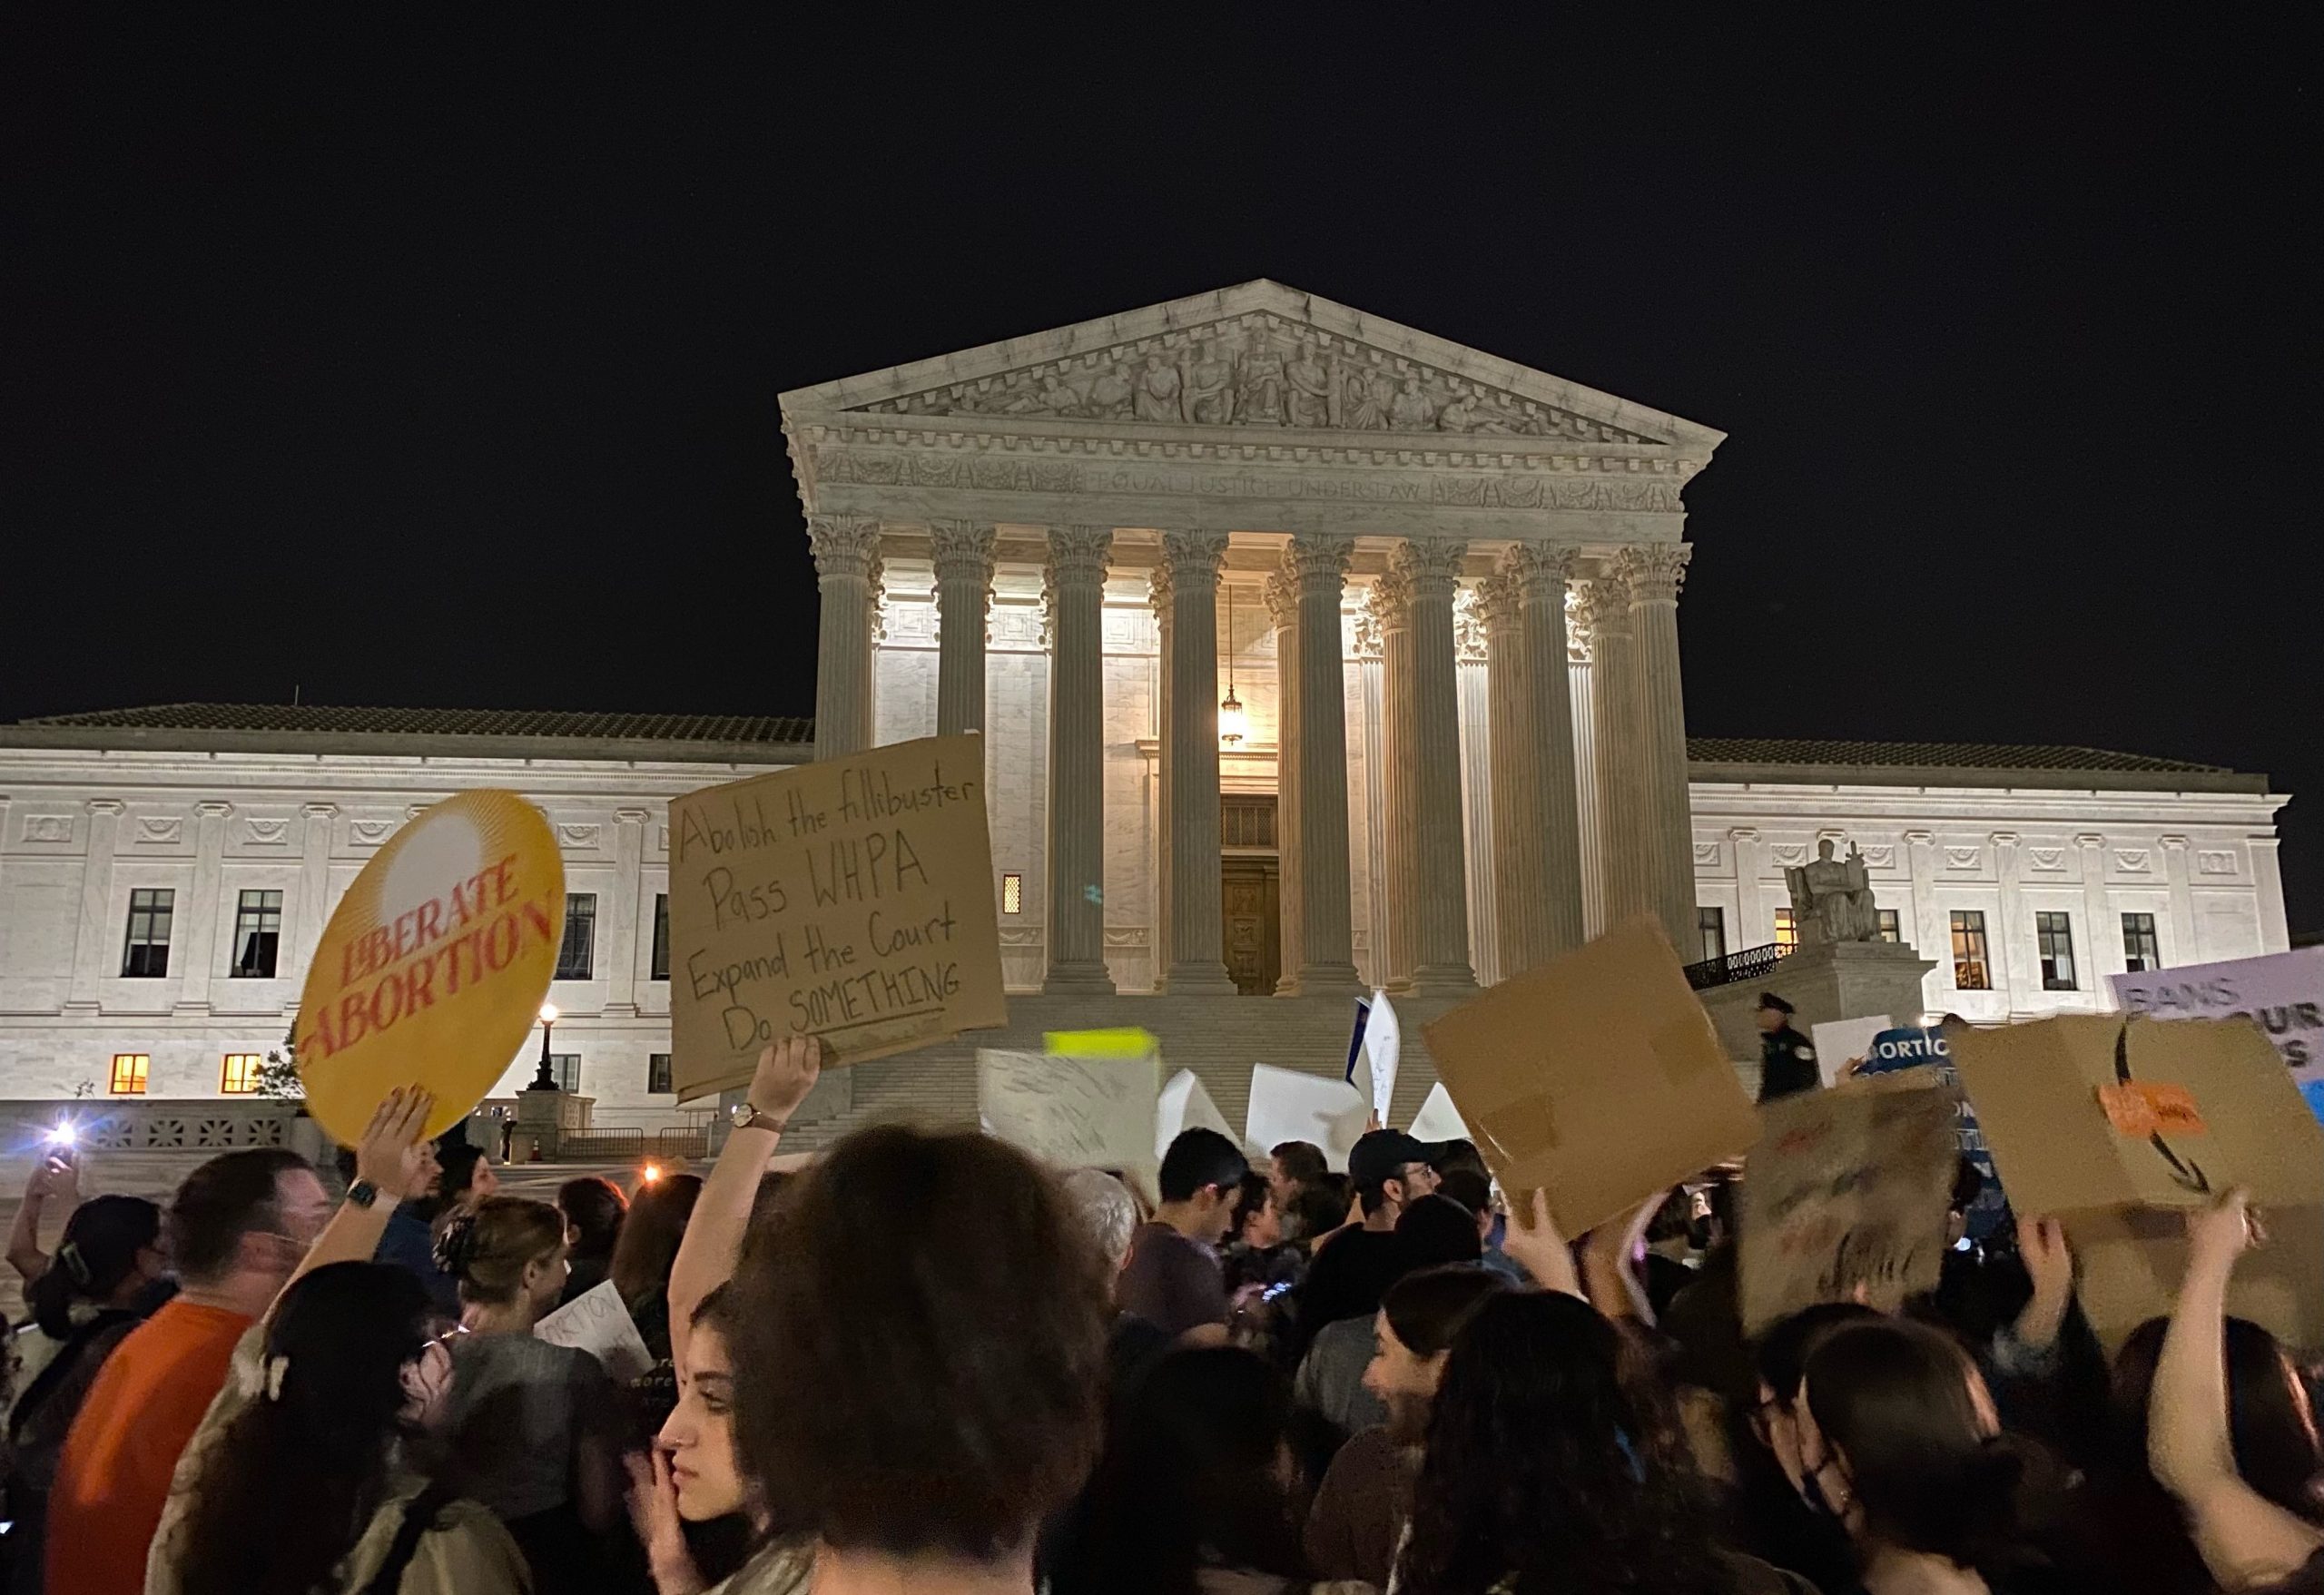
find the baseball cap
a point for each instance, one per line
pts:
(1377, 1154)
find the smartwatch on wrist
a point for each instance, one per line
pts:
(362, 1193)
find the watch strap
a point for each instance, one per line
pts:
(363, 1193)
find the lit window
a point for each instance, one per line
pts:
(1890, 930)
(573, 958)
(240, 1076)
(660, 968)
(258, 933)
(2054, 935)
(2142, 949)
(147, 955)
(129, 1071)
(1971, 971)
(1787, 933)
(1710, 929)
(1012, 892)
(657, 1074)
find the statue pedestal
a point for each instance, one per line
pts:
(1826, 981)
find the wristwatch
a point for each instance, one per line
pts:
(362, 1193)
(746, 1116)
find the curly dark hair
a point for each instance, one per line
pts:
(940, 1318)
(1545, 1470)
(294, 1481)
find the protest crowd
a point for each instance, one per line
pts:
(930, 1362)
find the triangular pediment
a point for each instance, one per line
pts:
(1255, 357)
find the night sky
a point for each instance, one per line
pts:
(397, 363)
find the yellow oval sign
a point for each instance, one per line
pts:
(434, 964)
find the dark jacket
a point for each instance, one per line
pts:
(1786, 1065)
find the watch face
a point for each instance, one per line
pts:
(741, 1113)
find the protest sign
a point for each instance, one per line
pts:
(1185, 1106)
(1847, 1187)
(849, 898)
(596, 1322)
(1844, 1041)
(1072, 1112)
(1596, 1077)
(1438, 1119)
(2282, 993)
(432, 969)
(1379, 1039)
(1287, 1105)
(2111, 1123)
(1916, 1047)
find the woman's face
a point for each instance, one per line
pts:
(545, 1278)
(1404, 1381)
(1264, 1228)
(699, 1435)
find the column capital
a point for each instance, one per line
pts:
(105, 805)
(1603, 607)
(1193, 556)
(1540, 570)
(1468, 627)
(1743, 833)
(845, 545)
(1430, 565)
(1391, 600)
(319, 810)
(1578, 634)
(2088, 840)
(1498, 601)
(1283, 600)
(632, 816)
(1079, 551)
(213, 810)
(1365, 626)
(1315, 559)
(1655, 571)
(961, 548)
(2175, 843)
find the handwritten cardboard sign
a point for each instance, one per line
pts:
(2118, 1126)
(1847, 1187)
(596, 1322)
(1072, 1112)
(1596, 1077)
(2282, 993)
(433, 967)
(849, 898)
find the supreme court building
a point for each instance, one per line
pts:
(1311, 653)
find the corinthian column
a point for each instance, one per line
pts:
(846, 572)
(1554, 919)
(1392, 607)
(1614, 726)
(1189, 593)
(1516, 824)
(1431, 567)
(1654, 573)
(1076, 592)
(1283, 609)
(1326, 956)
(963, 551)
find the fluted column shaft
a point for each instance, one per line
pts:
(1431, 567)
(1076, 593)
(846, 572)
(1516, 833)
(1554, 918)
(1190, 762)
(1614, 722)
(1392, 607)
(1283, 609)
(963, 557)
(1668, 845)
(1318, 568)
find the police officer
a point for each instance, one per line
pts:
(1786, 1058)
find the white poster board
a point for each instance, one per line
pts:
(1072, 1112)
(1384, 1040)
(1288, 1105)
(1842, 1040)
(1438, 1119)
(2282, 993)
(1185, 1106)
(596, 1322)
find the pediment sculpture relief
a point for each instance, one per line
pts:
(1259, 371)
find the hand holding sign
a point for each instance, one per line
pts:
(788, 1069)
(394, 1157)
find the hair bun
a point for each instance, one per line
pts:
(456, 1244)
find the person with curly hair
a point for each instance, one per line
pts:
(1545, 1474)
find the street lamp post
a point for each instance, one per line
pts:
(546, 1079)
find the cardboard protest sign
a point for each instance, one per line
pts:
(1438, 1119)
(2116, 1126)
(432, 969)
(1596, 1077)
(596, 1322)
(849, 898)
(1844, 1041)
(1287, 1105)
(1917, 1047)
(1073, 1112)
(1849, 1187)
(2282, 993)
(1185, 1106)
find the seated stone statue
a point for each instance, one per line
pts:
(1831, 899)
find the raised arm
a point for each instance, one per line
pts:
(2246, 1540)
(1540, 1250)
(1609, 1254)
(53, 1177)
(787, 1071)
(396, 1164)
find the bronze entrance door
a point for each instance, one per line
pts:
(1254, 935)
